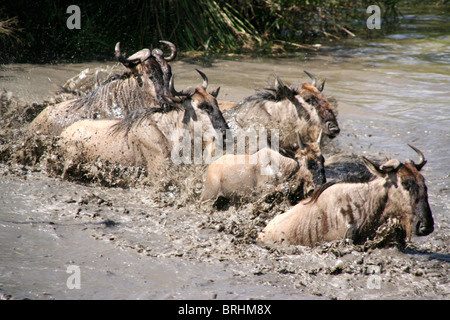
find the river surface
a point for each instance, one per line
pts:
(391, 91)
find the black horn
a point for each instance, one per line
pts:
(422, 160)
(134, 59)
(315, 82)
(173, 49)
(312, 78)
(301, 145)
(119, 55)
(173, 92)
(205, 79)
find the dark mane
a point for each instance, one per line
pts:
(116, 97)
(271, 93)
(274, 94)
(136, 117)
(318, 191)
(362, 177)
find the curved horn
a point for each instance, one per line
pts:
(173, 48)
(172, 90)
(119, 55)
(314, 83)
(205, 79)
(321, 86)
(141, 55)
(157, 52)
(300, 143)
(390, 165)
(319, 139)
(133, 60)
(422, 160)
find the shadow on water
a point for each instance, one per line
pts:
(428, 254)
(108, 223)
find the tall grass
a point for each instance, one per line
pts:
(9, 31)
(256, 26)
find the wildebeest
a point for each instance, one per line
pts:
(297, 108)
(355, 210)
(146, 137)
(141, 86)
(235, 176)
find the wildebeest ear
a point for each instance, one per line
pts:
(373, 168)
(189, 112)
(215, 93)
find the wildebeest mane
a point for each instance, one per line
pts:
(362, 177)
(136, 117)
(271, 93)
(317, 192)
(276, 94)
(116, 96)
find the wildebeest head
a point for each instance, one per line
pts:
(200, 105)
(311, 98)
(140, 58)
(152, 64)
(408, 197)
(311, 154)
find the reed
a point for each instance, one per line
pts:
(209, 26)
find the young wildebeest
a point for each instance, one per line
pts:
(356, 210)
(298, 108)
(236, 176)
(140, 87)
(146, 137)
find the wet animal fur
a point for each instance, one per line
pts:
(355, 211)
(146, 137)
(114, 99)
(297, 108)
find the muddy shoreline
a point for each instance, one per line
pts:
(129, 246)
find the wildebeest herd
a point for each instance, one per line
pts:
(139, 119)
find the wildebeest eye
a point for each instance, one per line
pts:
(206, 106)
(410, 185)
(312, 164)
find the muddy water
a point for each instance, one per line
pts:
(390, 91)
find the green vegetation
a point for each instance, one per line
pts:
(36, 31)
